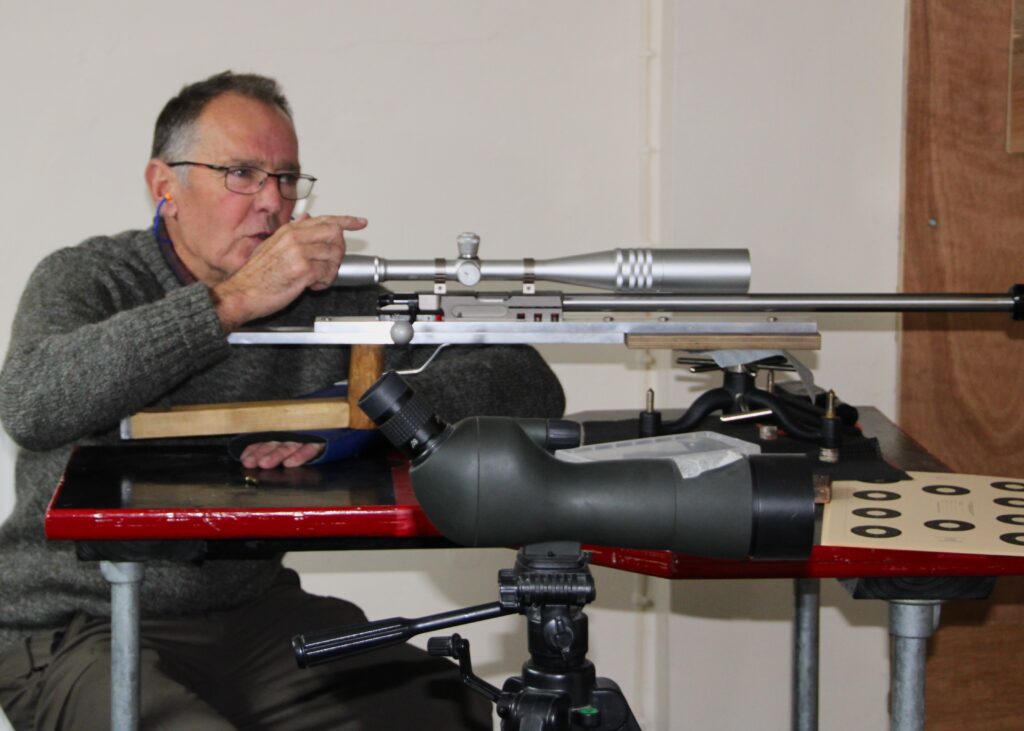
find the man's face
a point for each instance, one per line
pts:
(214, 230)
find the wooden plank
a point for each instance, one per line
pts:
(724, 342)
(238, 418)
(962, 385)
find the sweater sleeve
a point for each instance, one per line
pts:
(86, 352)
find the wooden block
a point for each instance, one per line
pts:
(724, 342)
(364, 368)
(237, 418)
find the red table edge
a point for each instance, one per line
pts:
(406, 519)
(838, 562)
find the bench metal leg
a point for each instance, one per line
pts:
(911, 623)
(806, 623)
(125, 579)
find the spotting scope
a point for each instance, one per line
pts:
(487, 481)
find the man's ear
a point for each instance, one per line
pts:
(162, 183)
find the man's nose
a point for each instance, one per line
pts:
(268, 198)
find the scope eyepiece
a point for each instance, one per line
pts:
(405, 419)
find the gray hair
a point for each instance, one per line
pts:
(175, 127)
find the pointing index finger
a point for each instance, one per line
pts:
(348, 223)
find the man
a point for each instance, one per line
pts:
(140, 319)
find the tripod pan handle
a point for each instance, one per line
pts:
(315, 648)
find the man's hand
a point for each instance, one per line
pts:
(305, 253)
(268, 455)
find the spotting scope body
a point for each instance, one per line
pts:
(486, 482)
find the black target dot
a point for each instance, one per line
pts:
(1007, 485)
(1011, 519)
(946, 490)
(949, 525)
(1010, 502)
(880, 495)
(1016, 539)
(876, 531)
(877, 513)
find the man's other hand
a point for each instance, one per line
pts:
(305, 253)
(268, 455)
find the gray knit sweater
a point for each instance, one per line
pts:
(104, 329)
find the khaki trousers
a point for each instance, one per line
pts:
(235, 670)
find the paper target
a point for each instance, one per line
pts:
(933, 511)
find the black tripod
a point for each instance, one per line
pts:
(558, 689)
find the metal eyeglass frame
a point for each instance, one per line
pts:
(226, 170)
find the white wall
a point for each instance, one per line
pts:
(786, 137)
(548, 128)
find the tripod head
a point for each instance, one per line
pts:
(558, 689)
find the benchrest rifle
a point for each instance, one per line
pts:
(678, 299)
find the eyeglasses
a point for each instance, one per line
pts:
(248, 180)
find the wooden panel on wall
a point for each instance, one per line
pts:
(962, 380)
(1015, 109)
(962, 376)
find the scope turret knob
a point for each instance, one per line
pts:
(469, 245)
(467, 271)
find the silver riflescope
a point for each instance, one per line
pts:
(695, 271)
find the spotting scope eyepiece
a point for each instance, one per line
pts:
(486, 482)
(405, 419)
